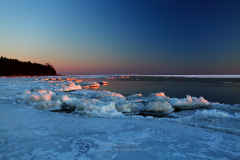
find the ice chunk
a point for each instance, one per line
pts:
(71, 87)
(159, 106)
(189, 99)
(158, 96)
(189, 103)
(91, 107)
(104, 83)
(78, 80)
(47, 105)
(41, 99)
(65, 98)
(129, 107)
(90, 84)
(102, 95)
(40, 95)
(68, 104)
(203, 101)
(111, 96)
(135, 97)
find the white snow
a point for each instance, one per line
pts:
(129, 107)
(159, 106)
(103, 103)
(92, 107)
(189, 102)
(213, 113)
(33, 134)
(135, 96)
(41, 99)
(71, 87)
(90, 84)
(103, 95)
(27, 133)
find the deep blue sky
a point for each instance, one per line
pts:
(124, 36)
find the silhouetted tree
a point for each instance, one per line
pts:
(15, 67)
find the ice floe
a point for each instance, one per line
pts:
(135, 97)
(159, 106)
(103, 103)
(69, 95)
(71, 87)
(102, 95)
(104, 83)
(197, 134)
(90, 84)
(41, 99)
(189, 103)
(129, 107)
(90, 107)
(74, 83)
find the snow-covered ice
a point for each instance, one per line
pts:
(101, 129)
(71, 87)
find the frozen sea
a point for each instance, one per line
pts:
(99, 128)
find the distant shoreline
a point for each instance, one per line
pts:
(226, 77)
(14, 67)
(158, 76)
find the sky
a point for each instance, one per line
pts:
(124, 36)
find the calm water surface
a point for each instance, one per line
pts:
(224, 92)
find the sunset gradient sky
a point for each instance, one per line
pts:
(124, 36)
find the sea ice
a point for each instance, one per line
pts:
(189, 103)
(104, 83)
(129, 107)
(135, 97)
(40, 135)
(213, 113)
(159, 107)
(71, 87)
(90, 102)
(41, 99)
(91, 107)
(90, 84)
(103, 95)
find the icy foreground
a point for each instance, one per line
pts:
(101, 129)
(69, 95)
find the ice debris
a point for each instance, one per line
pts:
(105, 103)
(71, 87)
(189, 103)
(41, 99)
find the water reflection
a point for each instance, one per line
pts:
(214, 92)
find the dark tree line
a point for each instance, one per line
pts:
(14, 67)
